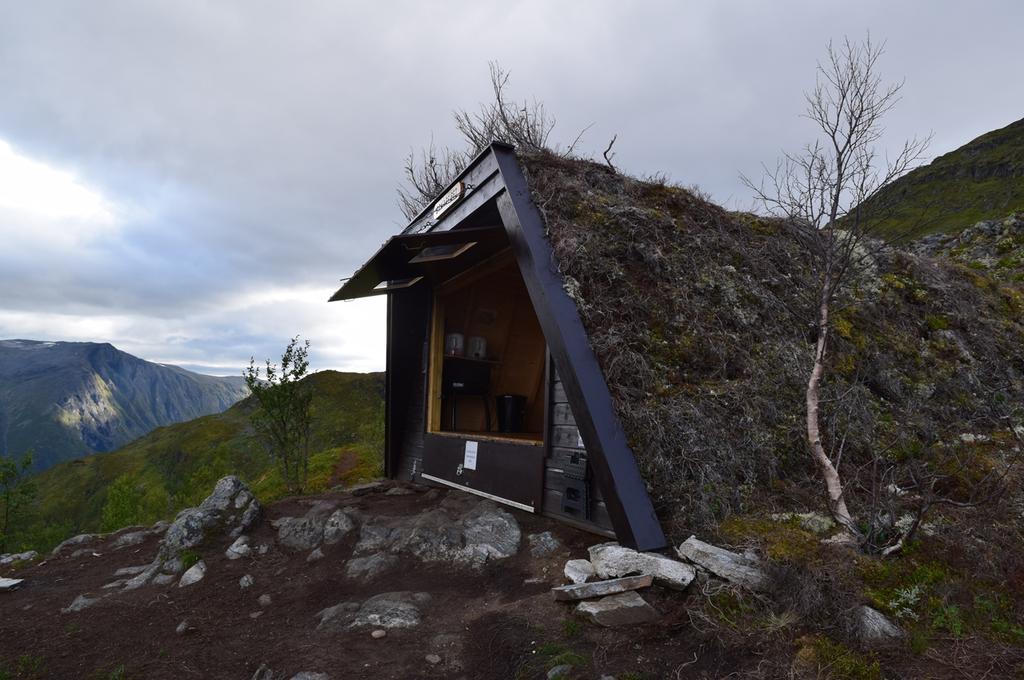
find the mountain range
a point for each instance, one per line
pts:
(65, 400)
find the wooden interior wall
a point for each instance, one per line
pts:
(563, 436)
(496, 306)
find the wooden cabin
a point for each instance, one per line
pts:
(492, 386)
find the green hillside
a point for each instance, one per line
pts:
(176, 466)
(982, 180)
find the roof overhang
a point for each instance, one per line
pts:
(407, 259)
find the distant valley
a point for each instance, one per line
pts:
(65, 400)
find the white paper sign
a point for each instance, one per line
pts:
(469, 461)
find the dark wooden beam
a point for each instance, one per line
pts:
(613, 464)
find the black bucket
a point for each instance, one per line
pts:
(510, 412)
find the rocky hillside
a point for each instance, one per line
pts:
(982, 180)
(66, 400)
(175, 466)
(993, 247)
(395, 581)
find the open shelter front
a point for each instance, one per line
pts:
(492, 386)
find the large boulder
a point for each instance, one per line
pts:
(387, 610)
(611, 560)
(230, 510)
(464, 532)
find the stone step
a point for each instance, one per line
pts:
(586, 591)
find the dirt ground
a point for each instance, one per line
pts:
(496, 622)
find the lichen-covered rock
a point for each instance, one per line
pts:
(338, 525)
(459, 531)
(11, 558)
(300, 533)
(239, 549)
(231, 509)
(73, 541)
(543, 544)
(611, 560)
(387, 611)
(369, 567)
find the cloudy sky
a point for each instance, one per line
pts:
(189, 180)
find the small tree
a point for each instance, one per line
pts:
(283, 417)
(828, 192)
(16, 493)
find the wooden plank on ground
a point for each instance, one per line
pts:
(585, 591)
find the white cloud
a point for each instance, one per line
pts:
(41, 204)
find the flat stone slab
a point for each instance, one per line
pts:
(723, 563)
(624, 609)
(586, 591)
(7, 584)
(611, 560)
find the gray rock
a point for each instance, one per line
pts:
(195, 574)
(586, 591)
(239, 549)
(183, 627)
(398, 491)
(246, 581)
(73, 541)
(130, 539)
(142, 578)
(338, 525)
(871, 626)
(217, 514)
(315, 556)
(543, 544)
(378, 634)
(9, 584)
(300, 533)
(723, 563)
(160, 526)
(365, 488)
(83, 552)
(264, 600)
(132, 571)
(310, 675)
(611, 560)
(265, 673)
(579, 571)
(624, 609)
(560, 671)
(433, 659)
(173, 566)
(386, 611)
(81, 602)
(11, 558)
(164, 579)
(370, 567)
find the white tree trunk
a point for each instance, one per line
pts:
(833, 485)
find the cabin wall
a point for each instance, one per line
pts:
(407, 389)
(566, 463)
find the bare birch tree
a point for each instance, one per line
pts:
(826, 192)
